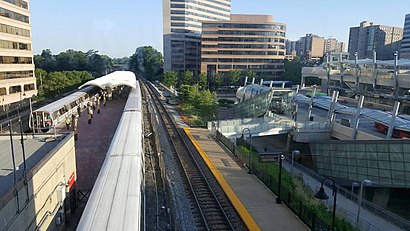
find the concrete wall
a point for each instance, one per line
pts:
(345, 133)
(39, 209)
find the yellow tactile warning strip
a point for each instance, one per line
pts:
(239, 207)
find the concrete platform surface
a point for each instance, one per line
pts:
(254, 195)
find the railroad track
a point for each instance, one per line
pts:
(212, 211)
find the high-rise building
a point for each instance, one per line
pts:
(17, 79)
(385, 40)
(405, 43)
(311, 47)
(245, 42)
(333, 45)
(182, 26)
(290, 47)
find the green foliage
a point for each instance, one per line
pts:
(55, 83)
(198, 105)
(188, 77)
(72, 60)
(234, 76)
(293, 70)
(147, 62)
(203, 81)
(251, 74)
(121, 61)
(170, 78)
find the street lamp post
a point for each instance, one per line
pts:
(321, 194)
(250, 148)
(294, 152)
(359, 203)
(281, 157)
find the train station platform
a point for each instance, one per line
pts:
(254, 202)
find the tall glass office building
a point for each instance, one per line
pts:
(405, 43)
(182, 27)
(245, 42)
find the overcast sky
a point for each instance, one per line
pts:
(117, 28)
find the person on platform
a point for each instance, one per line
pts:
(67, 122)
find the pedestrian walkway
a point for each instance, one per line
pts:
(258, 200)
(345, 207)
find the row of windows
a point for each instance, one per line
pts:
(20, 3)
(182, 6)
(235, 32)
(244, 39)
(14, 30)
(16, 89)
(246, 46)
(263, 73)
(227, 60)
(229, 66)
(234, 25)
(15, 60)
(184, 25)
(244, 52)
(184, 31)
(13, 15)
(195, 14)
(16, 74)
(14, 45)
(200, 3)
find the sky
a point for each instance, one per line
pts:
(117, 28)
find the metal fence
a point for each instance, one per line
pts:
(302, 208)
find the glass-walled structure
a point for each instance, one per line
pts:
(384, 162)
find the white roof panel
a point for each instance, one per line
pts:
(117, 78)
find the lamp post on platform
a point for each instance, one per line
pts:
(321, 195)
(359, 203)
(250, 148)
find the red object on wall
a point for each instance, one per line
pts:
(71, 180)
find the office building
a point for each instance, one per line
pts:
(182, 25)
(17, 79)
(333, 45)
(385, 40)
(405, 43)
(245, 42)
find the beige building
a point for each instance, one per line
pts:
(333, 45)
(311, 47)
(182, 26)
(385, 40)
(17, 79)
(42, 198)
(245, 42)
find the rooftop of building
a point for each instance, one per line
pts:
(36, 148)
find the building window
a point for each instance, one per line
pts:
(13, 15)
(29, 87)
(14, 89)
(20, 3)
(3, 91)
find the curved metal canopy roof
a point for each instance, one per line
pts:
(117, 78)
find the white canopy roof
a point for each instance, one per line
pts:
(118, 78)
(400, 62)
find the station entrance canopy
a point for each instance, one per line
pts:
(112, 80)
(324, 102)
(257, 100)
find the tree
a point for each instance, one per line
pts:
(203, 81)
(234, 76)
(147, 62)
(188, 77)
(251, 74)
(170, 78)
(293, 70)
